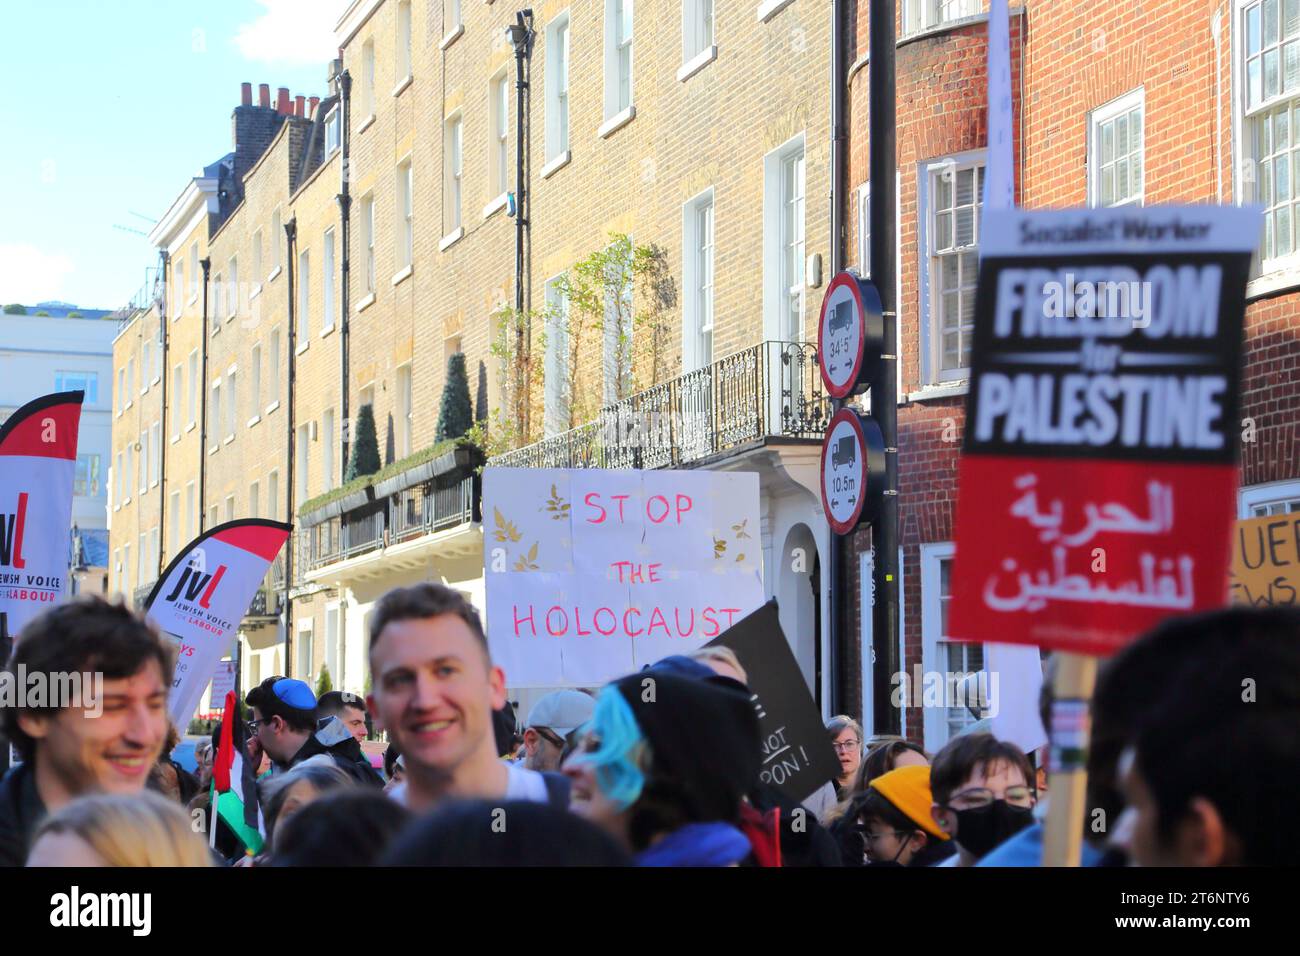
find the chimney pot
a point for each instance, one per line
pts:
(282, 104)
(311, 106)
(264, 94)
(246, 94)
(299, 104)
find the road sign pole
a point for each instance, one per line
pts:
(884, 404)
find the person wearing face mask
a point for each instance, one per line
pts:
(982, 794)
(894, 821)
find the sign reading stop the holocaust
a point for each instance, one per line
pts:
(850, 335)
(853, 470)
(1098, 477)
(593, 574)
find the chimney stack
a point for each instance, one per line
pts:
(311, 106)
(299, 104)
(245, 94)
(282, 104)
(264, 95)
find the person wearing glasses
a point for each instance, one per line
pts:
(894, 820)
(846, 738)
(548, 734)
(982, 794)
(284, 727)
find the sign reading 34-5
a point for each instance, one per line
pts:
(850, 335)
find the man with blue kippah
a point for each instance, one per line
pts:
(284, 727)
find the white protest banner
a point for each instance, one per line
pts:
(203, 595)
(38, 464)
(593, 574)
(223, 682)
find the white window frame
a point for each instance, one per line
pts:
(863, 193)
(303, 473)
(402, 46)
(277, 247)
(178, 393)
(327, 283)
(697, 314)
(142, 463)
(558, 33)
(304, 297)
(367, 83)
(1270, 493)
(232, 402)
(777, 288)
(254, 500)
(453, 153)
(619, 50)
(499, 136)
(214, 417)
(1102, 115)
(1278, 271)
(195, 385)
(405, 409)
(368, 243)
(555, 405)
(218, 300)
(404, 217)
(453, 23)
(699, 37)
(255, 362)
(273, 366)
(273, 494)
(233, 303)
(930, 339)
(921, 15)
(334, 641)
(257, 263)
(306, 642)
(935, 719)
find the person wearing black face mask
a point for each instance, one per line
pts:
(982, 794)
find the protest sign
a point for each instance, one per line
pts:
(797, 754)
(223, 682)
(38, 463)
(1099, 470)
(1266, 561)
(200, 599)
(592, 574)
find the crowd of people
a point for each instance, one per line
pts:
(1194, 758)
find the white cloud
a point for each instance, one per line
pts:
(294, 32)
(29, 275)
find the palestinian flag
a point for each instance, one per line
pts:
(234, 780)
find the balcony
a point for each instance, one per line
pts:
(769, 390)
(405, 516)
(268, 600)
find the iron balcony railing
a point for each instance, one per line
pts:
(767, 390)
(410, 513)
(268, 600)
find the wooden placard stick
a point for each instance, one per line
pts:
(1068, 751)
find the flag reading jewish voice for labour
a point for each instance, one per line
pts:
(797, 755)
(38, 463)
(1098, 477)
(592, 574)
(203, 595)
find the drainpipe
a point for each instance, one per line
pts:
(521, 36)
(884, 532)
(162, 430)
(345, 214)
(291, 238)
(203, 403)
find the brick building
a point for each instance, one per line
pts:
(1111, 105)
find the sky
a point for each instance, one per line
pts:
(110, 108)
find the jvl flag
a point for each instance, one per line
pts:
(204, 594)
(234, 780)
(38, 463)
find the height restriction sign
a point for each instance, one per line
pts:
(850, 335)
(853, 470)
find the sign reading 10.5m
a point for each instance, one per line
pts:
(850, 343)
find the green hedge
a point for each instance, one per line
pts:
(388, 471)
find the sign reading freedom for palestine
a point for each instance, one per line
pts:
(1098, 477)
(38, 462)
(593, 574)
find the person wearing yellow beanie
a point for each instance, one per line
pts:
(896, 825)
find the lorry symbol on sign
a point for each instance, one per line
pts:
(842, 318)
(845, 452)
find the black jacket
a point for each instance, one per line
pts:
(21, 812)
(333, 738)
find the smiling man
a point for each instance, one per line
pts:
(70, 748)
(434, 691)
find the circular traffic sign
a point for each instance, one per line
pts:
(850, 335)
(852, 471)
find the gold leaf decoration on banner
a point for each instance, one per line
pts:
(740, 529)
(505, 530)
(719, 547)
(557, 506)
